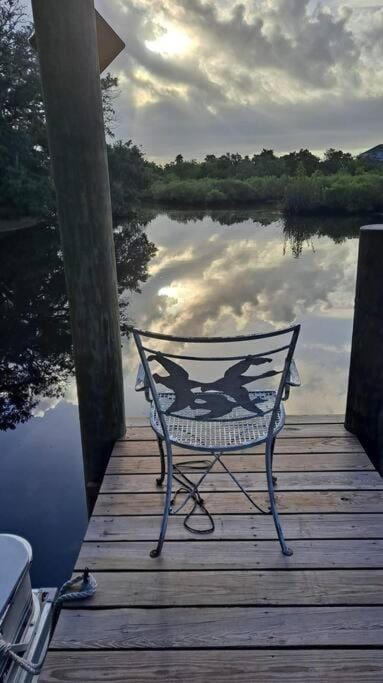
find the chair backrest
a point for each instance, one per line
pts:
(234, 395)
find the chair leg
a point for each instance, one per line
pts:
(272, 459)
(160, 479)
(168, 502)
(270, 486)
(238, 483)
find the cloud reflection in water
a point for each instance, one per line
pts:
(209, 278)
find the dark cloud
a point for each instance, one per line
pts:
(275, 73)
(281, 35)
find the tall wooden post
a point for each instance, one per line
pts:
(364, 413)
(67, 48)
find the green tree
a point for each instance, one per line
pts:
(25, 185)
(24, 170)
(128, 176)
(304, 158)
(336, 161)
(267, 164)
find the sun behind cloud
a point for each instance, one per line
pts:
(170, 43)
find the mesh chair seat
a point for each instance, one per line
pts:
(240, 429)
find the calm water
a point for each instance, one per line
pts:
(219, 274)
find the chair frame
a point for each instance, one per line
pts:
(145, 382)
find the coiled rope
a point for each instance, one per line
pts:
(87, 587)
(188, 489)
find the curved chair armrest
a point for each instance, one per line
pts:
(293, 380)
(142, 383)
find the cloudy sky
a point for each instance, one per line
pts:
(201, 76)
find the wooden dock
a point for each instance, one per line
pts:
(229, 607)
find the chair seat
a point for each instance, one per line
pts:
(240, 429)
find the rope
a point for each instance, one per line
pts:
(188, 487)
(6, 649)
(198, 503)
(87, 588)
(88, 585)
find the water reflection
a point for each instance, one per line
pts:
(35, 341)
(226, 272)
(219, 273)
(41, 477)
(301, 231)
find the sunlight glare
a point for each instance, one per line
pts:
(173, 42)
(171, 291)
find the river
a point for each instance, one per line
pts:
(187, 273)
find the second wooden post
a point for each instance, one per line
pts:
(364, 414)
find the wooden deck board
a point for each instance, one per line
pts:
(238, 527)
(230, 606)
(218, 555)
(219, 627)
(284, 462)
(222, 503)
(222, 588)
(220, 666)
(220, 481)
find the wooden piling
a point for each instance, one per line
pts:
(364, 414)
(69, 66)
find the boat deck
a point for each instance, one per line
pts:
(229, 607)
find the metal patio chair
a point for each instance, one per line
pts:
(217, 416)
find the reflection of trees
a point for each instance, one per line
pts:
(133, 253)
(300, 230)
(225, 216)
(35, 338)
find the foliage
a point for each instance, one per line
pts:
(338, 193)
(299, 194)
(25, 184)
(265, 165)
(300, 181)
(216, 191)
(128, 176)
(24, 172)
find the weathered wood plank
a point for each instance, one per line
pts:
(239, 527)
(219, 627)
(220, 666)
(255, 588)
(220, 481)
(348, 444)
(252, 463)
(289, 431)
(223, 503)
(222, 555)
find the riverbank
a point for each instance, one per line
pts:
(339, 193)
